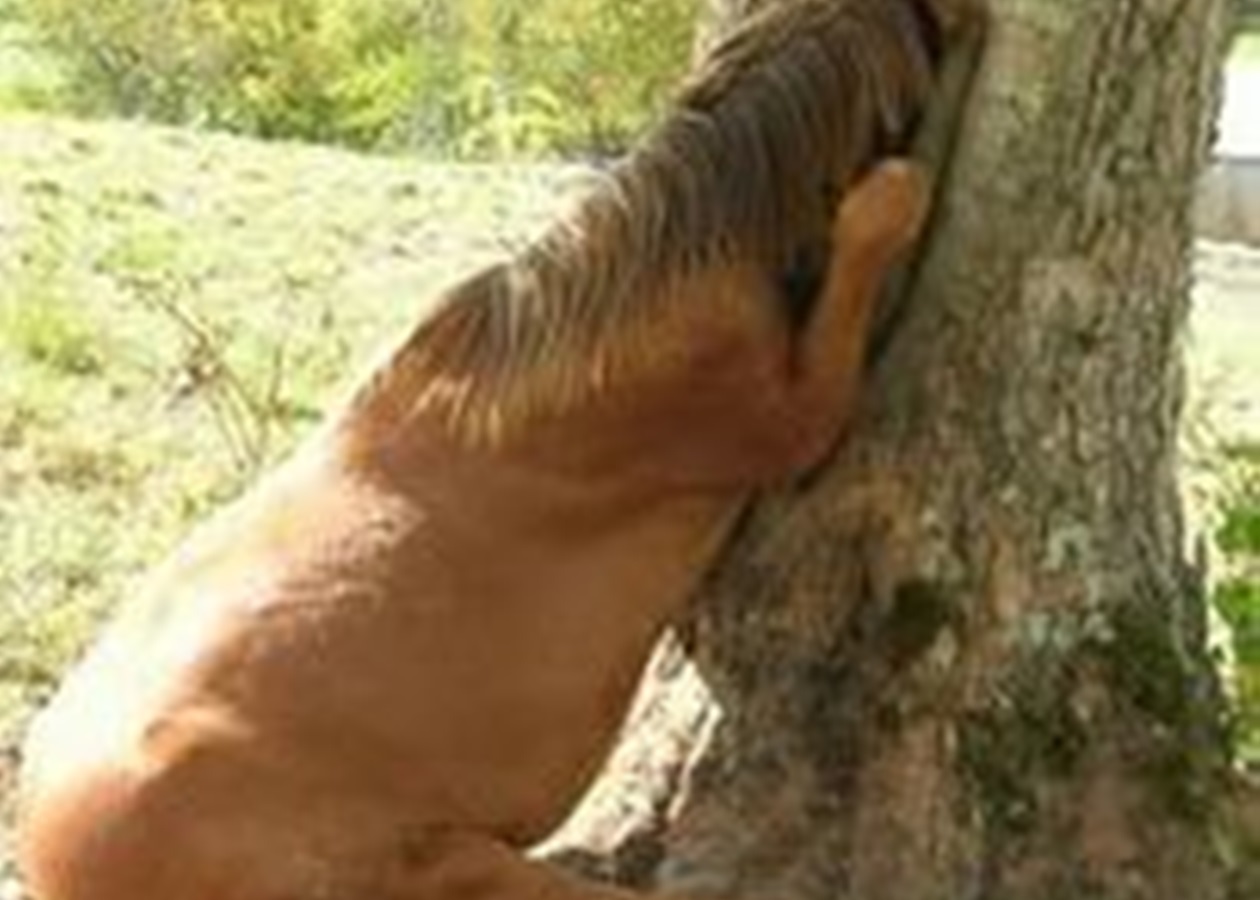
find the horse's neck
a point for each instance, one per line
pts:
(623, 415)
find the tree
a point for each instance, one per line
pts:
(969, 659)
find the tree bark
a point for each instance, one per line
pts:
(969, 659)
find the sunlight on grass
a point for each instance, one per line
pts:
(175, 311)
(1237, 596)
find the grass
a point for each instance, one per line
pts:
(1224, 449)
(1237, 595)
(174, 311)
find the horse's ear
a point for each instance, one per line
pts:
(884, 212)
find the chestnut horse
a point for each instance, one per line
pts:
(403, 655)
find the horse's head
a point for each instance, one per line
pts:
(797, 103)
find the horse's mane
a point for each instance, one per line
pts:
(773, 125)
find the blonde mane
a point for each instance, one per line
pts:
(777, 120)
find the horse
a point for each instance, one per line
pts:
(400, 658)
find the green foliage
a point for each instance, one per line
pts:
(28, 78)
(610, 59)
(468, 77)
(1241, 531)
(318, 69)
(1238, 596)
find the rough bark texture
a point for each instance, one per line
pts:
(968, 660)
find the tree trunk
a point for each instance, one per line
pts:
(969, 660)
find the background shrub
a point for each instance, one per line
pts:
(472, 78)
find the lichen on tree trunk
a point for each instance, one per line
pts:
(968, 660)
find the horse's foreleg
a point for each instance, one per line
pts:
(469, 866)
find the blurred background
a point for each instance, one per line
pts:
(464, 79)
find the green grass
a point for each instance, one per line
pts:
(174, 311)
(1237, 596)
